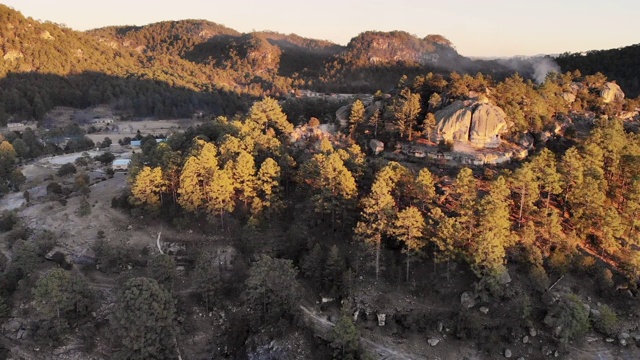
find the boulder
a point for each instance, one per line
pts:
(568, 97)
(433, 342)
(376, 146)
(467, 300)
(342, 115)
(484, 309)
(382, 318)
(475, 121)
(487, 123)
(507, 353)
(453, 122)
(610, 92)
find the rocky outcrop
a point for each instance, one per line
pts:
(475, 121)
(610, 92)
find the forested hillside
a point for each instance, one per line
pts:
(620, 64)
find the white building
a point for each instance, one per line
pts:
(121, 164)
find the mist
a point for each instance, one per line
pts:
(542, 67)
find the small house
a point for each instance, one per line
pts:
(136, 144)
(121, 164)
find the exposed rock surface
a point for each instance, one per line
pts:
(475, 121)
(467, 300)
(610, 92)
(377, 146)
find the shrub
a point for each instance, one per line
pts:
(54, 188)
(105, 158)
(7, 220)
(607, 322)
(66, 169)
(573, 318)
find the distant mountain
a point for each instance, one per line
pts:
(376, 60)
(174, 68)
(622, 65)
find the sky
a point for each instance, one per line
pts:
(485, 28)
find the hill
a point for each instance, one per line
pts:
(621, 64)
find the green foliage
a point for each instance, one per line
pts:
(24, 256)
(162, 268)
(105, 158)
(272, 289)
(607, 322)
(66, 169)
(144, 321)
(8, 219)
(85, 208)
(60, 294)
(54, 188)
(208, 277)
(345, 339)
(572, 318)
(333, 274)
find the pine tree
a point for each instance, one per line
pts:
(524, 183)
(268, 188)
(345, 340)
(244, 177)
(271, 288)
(333, 272)
(207, 275)
(162, 268)
(425, 184)
(62, 295)
(406, 109)
(356, 116)
(143, 321)
(545, 168)
(148, 187)
(332, 183)
(374, 121)
(409, 229)
(377, 215)
(220, 192)
(494, 232)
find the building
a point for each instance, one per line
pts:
(121, 164)
(136, 144)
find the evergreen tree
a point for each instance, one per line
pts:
(494, 232)
(406, 109)
(333, 272)
(425, 184)
(61, 295)
(378, 209)
(345, 340)
(356, 116)
(148, 187)
(271, 288)
(208, 277)
(163, 269)
(409, 229)
(143, 321)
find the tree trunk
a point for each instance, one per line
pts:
(378, 244)
(524, 191)
(408, 259)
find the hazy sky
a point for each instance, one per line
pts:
(477, 28)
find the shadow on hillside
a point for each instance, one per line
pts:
(31, 95)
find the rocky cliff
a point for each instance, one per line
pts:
(475, 121)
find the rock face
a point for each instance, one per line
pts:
(610, 92)
(377, 146)
(475, 121)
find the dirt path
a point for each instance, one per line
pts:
(382, 351)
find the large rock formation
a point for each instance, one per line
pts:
(610, 92)
(475, 121)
